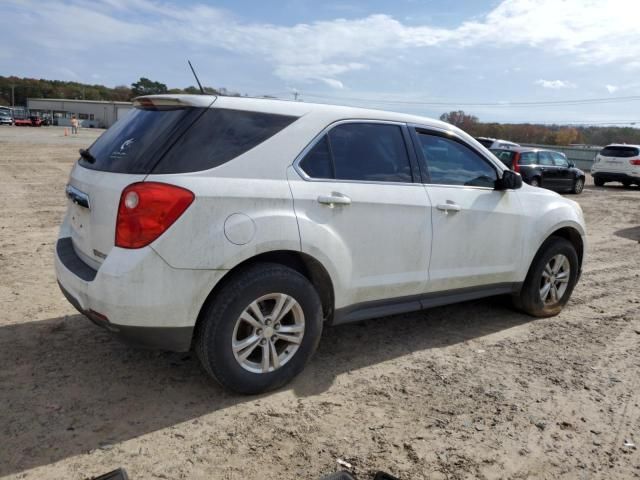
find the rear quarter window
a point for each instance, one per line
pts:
(620, 151)
(219, 136)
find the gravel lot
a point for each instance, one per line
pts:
(474, 390)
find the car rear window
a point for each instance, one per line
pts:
(133, 143)
(487, 142)
(180, 140)
(620, 151)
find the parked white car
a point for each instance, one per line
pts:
(240, 227)
(496, 143)
(617, 163)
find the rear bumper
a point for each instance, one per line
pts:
(616, 177)
(136, 295)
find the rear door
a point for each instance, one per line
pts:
(356, 201)
(477, 230)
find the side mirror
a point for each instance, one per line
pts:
(510, 181)
(572, 165)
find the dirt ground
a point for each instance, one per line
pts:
(474, 390)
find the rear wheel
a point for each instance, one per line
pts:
(578, 185)
(260, 329)
(598, 182)
(535, 182)
(626, 184)
(552, 276)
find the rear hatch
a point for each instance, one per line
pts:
(616, 158)
(161, 135)
(124, 154)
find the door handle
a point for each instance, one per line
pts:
(448, 207)
(334, 199)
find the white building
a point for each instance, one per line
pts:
(90, 113)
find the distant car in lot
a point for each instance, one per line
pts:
(496, 143)
(239, 227)
(617, 163)
(5, 119)
(543, 168)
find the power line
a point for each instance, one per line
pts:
(583, 101)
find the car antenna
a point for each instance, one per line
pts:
(194, 74)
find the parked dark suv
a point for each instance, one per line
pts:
(543, 168)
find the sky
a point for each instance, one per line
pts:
(425, 57)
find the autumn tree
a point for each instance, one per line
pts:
(144, 86)
(460, 119)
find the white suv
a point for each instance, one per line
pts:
(240, 227)
(617, 163)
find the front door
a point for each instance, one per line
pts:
(358, 205)
(477, 230)
(564, 172)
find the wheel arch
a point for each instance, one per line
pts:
(573, 236)
(303, 263)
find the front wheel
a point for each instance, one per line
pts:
(552, 276)
(578, 186)
(535, 182)
(598, 182)
(260, 329)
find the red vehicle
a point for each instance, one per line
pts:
(28, 121)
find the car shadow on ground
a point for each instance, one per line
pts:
(632, 233)
(67, 387)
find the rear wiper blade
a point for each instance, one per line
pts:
(87, 156)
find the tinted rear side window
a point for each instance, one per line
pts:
(360, 151)
(218, 136)
(318, 163)
(619, 152)
(370, 152)
(527, 158)
(132, 144)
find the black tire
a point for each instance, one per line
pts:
(528, 300)
(535, 182)
(213, 338)
(598, 182)
(578, 185)
(626, 184)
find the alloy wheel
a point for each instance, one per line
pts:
(268, 333)
(555, 279)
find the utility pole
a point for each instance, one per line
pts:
(13, 103)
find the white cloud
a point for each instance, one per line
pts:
(593, 32)
(611, 88)
(555, 84)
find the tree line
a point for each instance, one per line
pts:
(543, 134)
(23, 88)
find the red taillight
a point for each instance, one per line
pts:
(147, 210)
(634, 162)
(515, 165)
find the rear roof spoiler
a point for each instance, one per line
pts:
(150, 101)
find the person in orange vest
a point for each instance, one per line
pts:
(74, 125)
